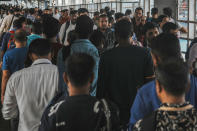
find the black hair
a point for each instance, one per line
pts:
(148, 26)
(73, 12)
(173, 76)
(167, 11)
(31, 11)
(97, 38)
(138, 8)
(51, 26)
(103, 16)
(20, 35)
(118, 15)
(154, 11)
(11, 11)
(107, 9)
(160, 18)
(169, 26)
(82, 10)
(166, 46)
(84, 26)
(37, 28)
(128, 12)
(79, 68)
(96, 13)
(111, 19)
(124, 29)
(102, 11)
(17, 24)
(40, 47)
(22, 19)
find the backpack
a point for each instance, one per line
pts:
(108, 117)
(11, 40)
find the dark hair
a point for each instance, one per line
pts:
(173, 75)
(79, 68)
(167, 11)
(102, 11)
(97, 38)
(22, 19)
(160, 18)
(118, 15)
(17, 24)
(31, 11)
(138, 8)
(107, 9)
(154, 11)
(169, 26)
(84, 26)
(103, 16)
(11, 11)
(128, 12)
(37, 28)
(51, 26)
(124, 29)
(20, 35)
(166, 46)
(111, 19)
(96, 13)
(40, 47)
(82, 10)
(73, 12)
(148, 26)
(71, 36)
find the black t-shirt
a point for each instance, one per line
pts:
(121, 71)
(74, 113)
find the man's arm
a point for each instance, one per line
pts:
(5, 77)
(10, 109)
(3, 25)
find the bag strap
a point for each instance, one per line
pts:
(66, 27)
(149, 122)
(11, 22)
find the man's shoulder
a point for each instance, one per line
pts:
(147, 88)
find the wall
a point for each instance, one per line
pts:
(160, 4)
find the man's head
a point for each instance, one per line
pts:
(84, 27)
(31, 11)
(172, 80)
(20, 37)
(11, 11)
(162, 19)
(138, 12)
(46, 11)
(118, 16)
(51, 27)
(128, 12)
(165, 46)
(171, 28)
(37, 28)
(96, 15)
(123, 30)
(154, 12)
(103, 22)
(167, 11)
(23, 22)
(40, 48)
(73, 16)
(98, 39)
(83, 11)
(79, 73)
(150, 31)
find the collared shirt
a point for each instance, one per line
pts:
(29, 91)
(62, 30)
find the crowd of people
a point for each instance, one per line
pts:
(65, 71)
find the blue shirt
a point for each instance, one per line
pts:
(14, 59)
(146, 100)
(85, 46)
(32, 37)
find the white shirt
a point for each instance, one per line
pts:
(28, 92)
(61, 33)
(56, 16)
